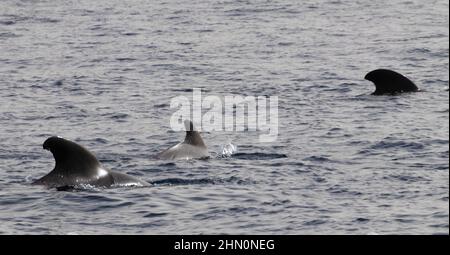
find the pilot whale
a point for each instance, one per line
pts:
(76, 166)
(192, 147)
(390, 82)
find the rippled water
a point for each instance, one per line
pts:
(102, 73)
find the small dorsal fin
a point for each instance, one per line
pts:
(192, 136)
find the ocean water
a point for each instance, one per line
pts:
(102, 73)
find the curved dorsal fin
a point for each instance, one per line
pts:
(71, 158)
(390, 82)
(192, 136)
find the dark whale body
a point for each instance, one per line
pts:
(76, 166)
(388, 82)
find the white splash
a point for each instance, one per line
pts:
(228, 150)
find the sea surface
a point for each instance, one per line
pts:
(103, 73)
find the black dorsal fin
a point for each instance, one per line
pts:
(71, 158)
(390, 82)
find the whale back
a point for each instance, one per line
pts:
(390, 82)
(193, 146)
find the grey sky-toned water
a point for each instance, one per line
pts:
(102, 73)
